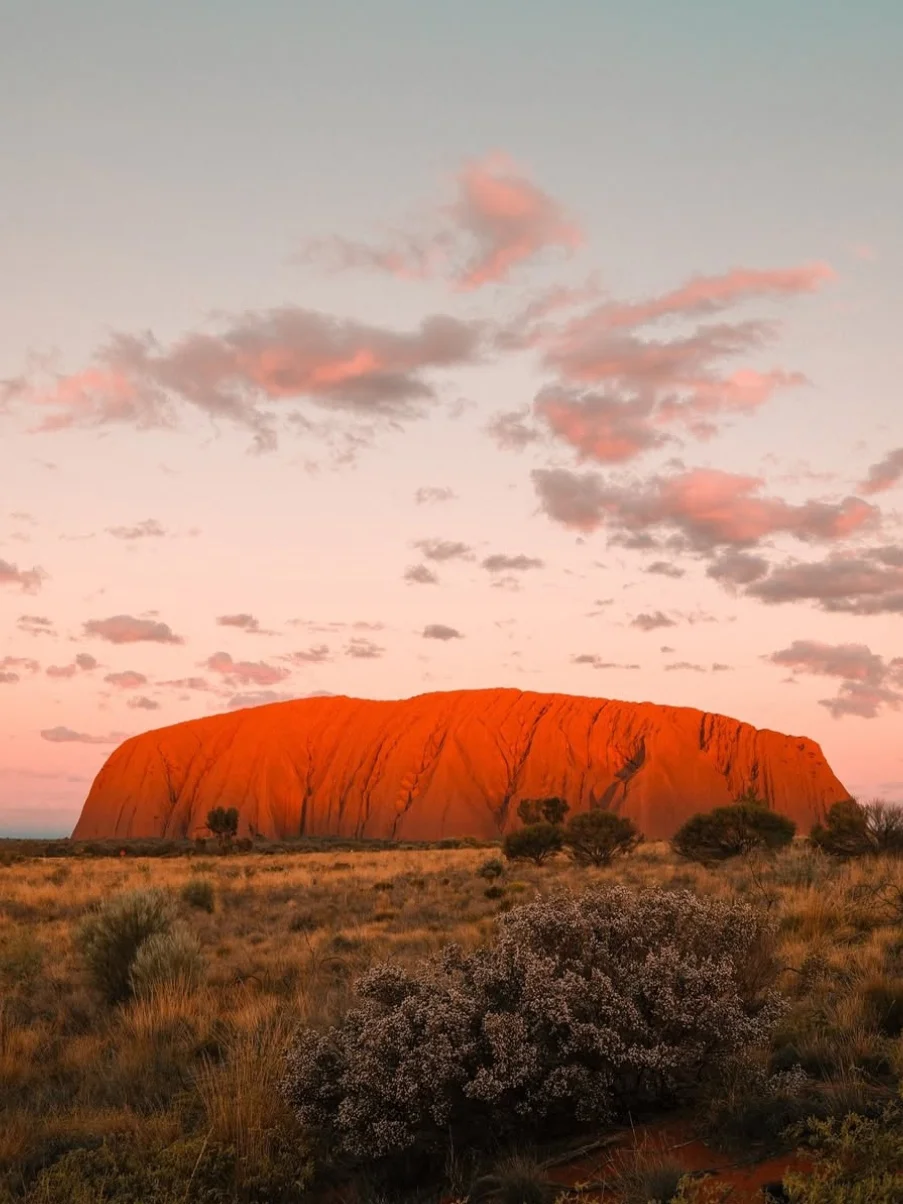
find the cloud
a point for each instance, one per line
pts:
(600, 427)
(256, 698)
(438, 631)
(737, 568)
(9, 665)
(362, 649)
(149, 527)
(510, 431)
(664, 568)
(707, 507)
(444, 549)
(35, 624)
(244, 622)
(711, 294)
(125, 629)
(287, 353)
(500, 220)
(83, 661)
(246, 673)
(685, 665)
(128, 679)
(647, 622)
(433, 493)
(188, 683)
(29, 580)
(641, 382)
(885, 474)
(66, 735)
(140, 702)
(312, 656)
(868, 682)
(419, 574)
(590, 658)
(499, 563)
(869, 582)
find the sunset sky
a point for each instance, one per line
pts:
(386, 347)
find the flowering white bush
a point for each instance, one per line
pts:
(581, 1007)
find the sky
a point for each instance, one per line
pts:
(387, 347)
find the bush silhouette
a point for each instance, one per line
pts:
(223, 824)
(110, 938)
(534, 842)
(854, 830)
(542, 810)
(471, 1047)
(597, 837)
(731, 831)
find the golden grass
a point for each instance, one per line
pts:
(291, 932)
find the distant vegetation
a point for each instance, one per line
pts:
(251, 1022)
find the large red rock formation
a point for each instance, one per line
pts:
(446, 764)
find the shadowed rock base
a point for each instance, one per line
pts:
(445, 765)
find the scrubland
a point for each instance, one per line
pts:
(184, 1079)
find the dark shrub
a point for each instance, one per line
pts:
(475, 1047)
(223, 823)
(491, 869)
(198, 892)
(854, 830)
(730, 831)
(534, 842)
(110, 938)
(597, 837)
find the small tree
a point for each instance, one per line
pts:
(550, 810)
(731, 831)
(223, 824)
(854, 830)
(597, 837)
(534, 842)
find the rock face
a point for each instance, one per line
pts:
(444, 765)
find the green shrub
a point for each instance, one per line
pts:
(857, 1160)
(854, 830)
(534, 842)
(167, 958)
(199, 893)
(109, 939)
(471, 1047)
(515, 1179)
(223, 823)
(730, 831)
(597, 837)
(491, 869)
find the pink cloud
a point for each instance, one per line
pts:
(868, 681)
(709, 294)
(706, 507)
(500, 219)
(884, 474)
(66, 735)
(126, 680)
(246, 673)
(869, 582)
(600, 427)
(290, 352)
(125, 629)
(29, 580)
(509, 219)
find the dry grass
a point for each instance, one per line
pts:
(286, 939)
